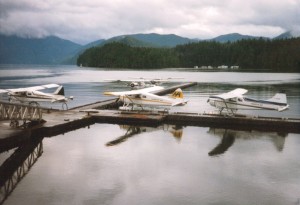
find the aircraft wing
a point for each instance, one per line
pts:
(232, 94)
(40, 87)
(135, 92)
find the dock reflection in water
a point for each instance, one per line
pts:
(121, 164)
(228, 137)
(15, 167)
(132, 131)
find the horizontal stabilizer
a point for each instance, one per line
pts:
(183, 102)
(283, 108)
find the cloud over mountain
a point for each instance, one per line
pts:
(84, 21)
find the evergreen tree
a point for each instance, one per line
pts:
(281, 55)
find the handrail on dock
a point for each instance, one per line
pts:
(18, 111)
(13, 169)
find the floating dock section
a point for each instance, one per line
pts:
(57, 122)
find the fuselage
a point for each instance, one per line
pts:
(152, 100)
(244, 103)
(36, 96)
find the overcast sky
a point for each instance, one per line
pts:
(83, 21)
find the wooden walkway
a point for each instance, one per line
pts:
(197, 119)
(57, 122)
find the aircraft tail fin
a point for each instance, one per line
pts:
(177, 94)
(60, 91)
(279, 98)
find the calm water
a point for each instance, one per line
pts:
(113, 164)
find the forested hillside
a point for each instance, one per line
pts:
(281, 55)
(119, 55)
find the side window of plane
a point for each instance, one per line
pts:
(240, 99)
(21, 93)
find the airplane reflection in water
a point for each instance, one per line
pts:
(131, 131)
(229, 136)
(17, 165)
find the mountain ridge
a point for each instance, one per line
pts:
(232, 37)
(55, 50)
(48, 50)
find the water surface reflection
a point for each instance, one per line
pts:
(229, 136)
(17, 165)
(131, 131)
(113, 164)
(118, 164)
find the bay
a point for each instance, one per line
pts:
(118, 164)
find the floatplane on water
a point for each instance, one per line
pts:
(145, 97)
(139, 83)
(33, 95)
(235, 100)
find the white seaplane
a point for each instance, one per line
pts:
(234, 100)
(141, 82)
(33, 95)
(144, 97)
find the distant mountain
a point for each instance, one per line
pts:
(48, 50)
(93, 44)
(129, 40)
(168, 40)
(149, 40)
(73, 58)
(288, 34)
(54, 50)
(232, 37)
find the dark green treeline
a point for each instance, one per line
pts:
(255, 54)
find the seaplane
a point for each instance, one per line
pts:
(138, 83)
(145, 97)
(33, 95)
(235, 100)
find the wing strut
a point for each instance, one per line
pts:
(227, 108)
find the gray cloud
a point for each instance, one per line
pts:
(85, 21)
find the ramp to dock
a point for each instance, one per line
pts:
(18, 111)
(57, 122)
(111, 103)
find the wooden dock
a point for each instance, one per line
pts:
(196, 119)
(57, 122)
